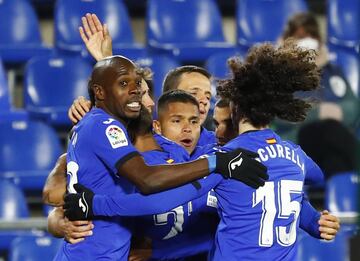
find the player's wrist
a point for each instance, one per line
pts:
(211, 163)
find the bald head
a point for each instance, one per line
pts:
(115, 86)
(106, 71)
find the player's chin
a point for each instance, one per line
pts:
(132, 114)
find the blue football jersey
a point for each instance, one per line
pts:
(186, 229)
(206, 137)
(262, 224)
(99, 143)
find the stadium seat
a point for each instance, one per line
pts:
(12, 201)
(342, 193)
(12, 206)
(28, 151)
(34, 248)
(349, 61)
(4, 91)
(51, 85)
(264, 20)
(7, 113)
(217, 63)
(67, 20)
(343, 22)
(190, 30)
(20, 34)
(160, 65)
(320, 250)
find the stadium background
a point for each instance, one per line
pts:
(44, 66)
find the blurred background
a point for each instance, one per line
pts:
(44, 66)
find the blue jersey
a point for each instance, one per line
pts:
(240, 233)
(98, 145)
(186, 229)
(262, 224)
(206, 137)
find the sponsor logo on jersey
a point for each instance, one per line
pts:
(116, 136)
(110, 120)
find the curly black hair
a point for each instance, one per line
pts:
(263, 86)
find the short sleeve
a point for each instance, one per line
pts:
(111, 144)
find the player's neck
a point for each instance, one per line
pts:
(146, 142)
(245, 126)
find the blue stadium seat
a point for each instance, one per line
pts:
(4, 91)
(20, 34)
(68, 15)
(51, 85)
(12, 205)
(7, 113)
(264, 20)
(349, 61)
(28, 151)
(217, 63)
(320, 250)
(12, 201)
(190, 30)
(34, 248)
(342, 193)
(343, 22)
(160, 65)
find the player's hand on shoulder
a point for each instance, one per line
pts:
(242, 165)
(78, 109)
(78, 206)
(76, 231)
(329, 225)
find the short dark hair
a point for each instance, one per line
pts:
(263, 86)
(304, 20)
(172, 78)
(175, 96)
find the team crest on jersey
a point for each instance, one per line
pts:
(116, 136)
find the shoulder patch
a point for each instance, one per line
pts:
(116, 136)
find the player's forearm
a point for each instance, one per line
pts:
(137, 204)
(56, 222)
(151, 179)
(309, 217)
(55, 186)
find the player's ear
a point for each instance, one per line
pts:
(99, 92)
(157, 126)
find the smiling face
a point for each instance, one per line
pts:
(180, 123)
(117, 87)
(199, 86)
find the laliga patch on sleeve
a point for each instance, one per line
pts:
(116, 136)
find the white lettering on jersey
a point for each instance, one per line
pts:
(280, 151)
(116, 136)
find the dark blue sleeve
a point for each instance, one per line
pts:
(309, 218)
(137, 204)
(313, 173)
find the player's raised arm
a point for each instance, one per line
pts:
(96, 37)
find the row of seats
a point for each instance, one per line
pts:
(53, 82)
(190, 30)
